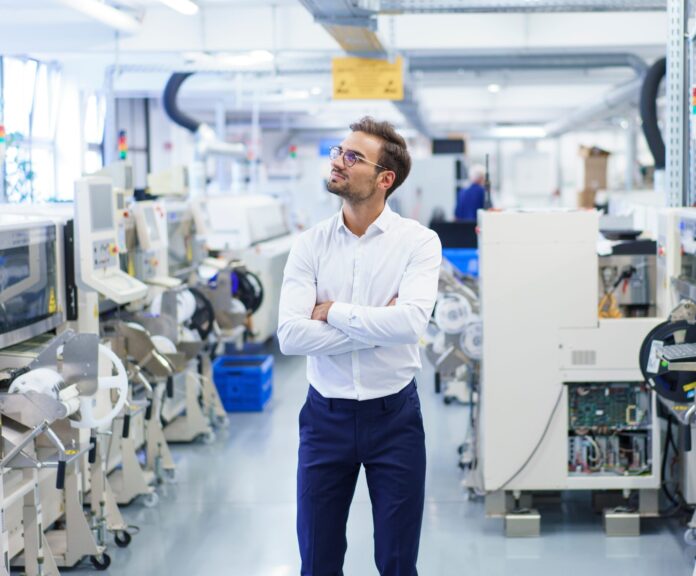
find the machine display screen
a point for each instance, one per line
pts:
(180, 233)
(152, 227)
(102, 211)
(28, 279)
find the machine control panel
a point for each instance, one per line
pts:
(146, 265)
(104, 254)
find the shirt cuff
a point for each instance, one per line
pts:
(339, 315)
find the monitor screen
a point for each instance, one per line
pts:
(152, 227)
(102, 207)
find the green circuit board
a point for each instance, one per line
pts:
(615, 406)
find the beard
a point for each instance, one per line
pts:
(344, 190)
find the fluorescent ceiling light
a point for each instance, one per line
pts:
(494, 88)
(520, 131)
(295, 94)
(315, 91)
(186, 7)
(253, 58)
(105, 14)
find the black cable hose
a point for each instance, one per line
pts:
(250, 291)
(204, 317)
(171, 91)
(648, 111)
(663, 467)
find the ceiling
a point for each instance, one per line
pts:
(294, 90)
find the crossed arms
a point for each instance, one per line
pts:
(342, 327)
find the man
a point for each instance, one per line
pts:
(357, 295)
(473, 198)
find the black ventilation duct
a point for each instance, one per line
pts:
(171, 91)
(648, 111)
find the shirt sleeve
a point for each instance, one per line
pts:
(298, 334)
(405, 322)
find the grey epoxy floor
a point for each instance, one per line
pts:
(232, 512)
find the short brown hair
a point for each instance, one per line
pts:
(394, 155)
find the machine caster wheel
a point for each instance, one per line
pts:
(223, 422)
(170, 476)
(122, 539)
(209, 437)
(448, 400)
(101, 562)
(151, 500)
(690, 537)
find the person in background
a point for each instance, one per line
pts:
(472, 198)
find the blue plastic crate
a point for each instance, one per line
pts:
(245, 383)
(466, 260)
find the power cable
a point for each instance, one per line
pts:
(538, 445)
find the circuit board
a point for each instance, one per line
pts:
(608, 406)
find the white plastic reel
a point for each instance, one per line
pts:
(118, 382)
(185, 305)
(452, 313)
(471, 340)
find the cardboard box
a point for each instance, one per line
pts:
(595, 168)
(586, 198)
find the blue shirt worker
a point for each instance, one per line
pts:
(357, 294)
(472, 198)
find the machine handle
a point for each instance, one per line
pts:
(93, 449)
(118, 382)
(60, 478)
(148, 410)
(126, 426)
(170, 387)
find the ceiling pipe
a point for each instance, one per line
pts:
(614, 100)
(497, 6)
(529, 61)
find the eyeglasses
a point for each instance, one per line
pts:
(350, 157)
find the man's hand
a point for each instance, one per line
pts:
(321, 311)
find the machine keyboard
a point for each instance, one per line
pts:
(679, 352)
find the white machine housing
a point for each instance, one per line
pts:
(172, 182)
(121, 175)
(539, 298)
(153, 256)
(96, 238)
(252, 229)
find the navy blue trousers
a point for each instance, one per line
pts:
(337, 436)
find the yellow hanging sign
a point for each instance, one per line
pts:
(368, 79)
(52, 305)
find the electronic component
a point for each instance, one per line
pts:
(609, 428)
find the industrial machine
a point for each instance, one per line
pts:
(668, 354)
(104, 287)
(250, 229)
(55, 389)
(454, 338)
(454, 343)
(547, 353)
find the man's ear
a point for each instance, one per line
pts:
(388, 178)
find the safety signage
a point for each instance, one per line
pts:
(368, 79)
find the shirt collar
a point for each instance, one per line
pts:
(382, 222)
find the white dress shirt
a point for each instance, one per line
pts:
(366, 349)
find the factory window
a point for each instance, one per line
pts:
(30, 94)
(95, 116)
